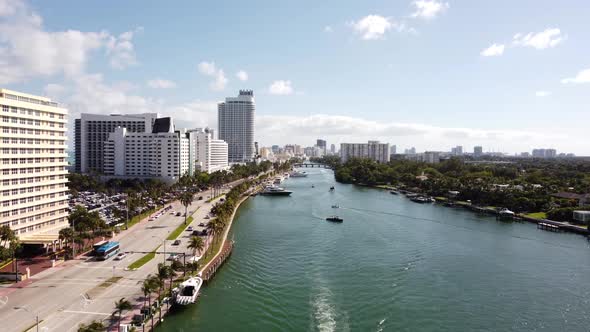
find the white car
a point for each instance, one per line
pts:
(120, 256)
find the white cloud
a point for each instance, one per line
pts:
(159, 83)
(280, 87)
(328, 28)
(121, 49)
(373, 27)
(54, 90)
(493, 50)
(428, 9)
(242, 75)
(27, 50)
(545, 39)
(277, 128)
(209, 69)
(582, 77)
(543, 93)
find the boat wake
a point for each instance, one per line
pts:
(324, 311)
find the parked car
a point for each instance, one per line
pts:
(196, 233)
(202, 224)
(120, 256)
(176, 243)
(172, 257)
(200, 198)
(189, 228)
(178, 214)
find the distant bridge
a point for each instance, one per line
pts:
(312, 165)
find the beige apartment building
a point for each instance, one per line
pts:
(33, 160)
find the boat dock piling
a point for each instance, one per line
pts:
(209, 272)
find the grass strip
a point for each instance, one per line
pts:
(537, 215)
(175, 233)
(143, 260)
(110, 281)
(214, 198)
(134, 220)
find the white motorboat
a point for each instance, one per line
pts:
(275, 191)
(186, 293)
(298, 174)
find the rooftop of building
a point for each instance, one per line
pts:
(20, 96)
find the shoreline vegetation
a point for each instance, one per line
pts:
(536, 190)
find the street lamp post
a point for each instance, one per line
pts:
(32, 314)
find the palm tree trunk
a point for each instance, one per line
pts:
(119, 322)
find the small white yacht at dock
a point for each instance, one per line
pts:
(298, 174)
(186, 293)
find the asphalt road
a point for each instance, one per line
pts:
(58, 295)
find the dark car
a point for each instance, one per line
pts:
(202, 224)
(196, 233)
(200, 198)
(176, 243)
(189, 228)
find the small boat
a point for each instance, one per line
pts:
(422, 199)
(506, 214)
(334, 219)
(335, 206)
(186, 292)
(332, 188)
(312, 186)
(393, 192)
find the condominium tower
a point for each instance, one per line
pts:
(206, 154)
(92, 130)
(236, 125)
(34, 192)
(373, 150)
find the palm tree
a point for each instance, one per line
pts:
(94, 326)
(66, 235)
(156, 284)
(196, 244)
(164, 272)
(121, 306)
(186, 198)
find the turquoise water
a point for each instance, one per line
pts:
(393, 265)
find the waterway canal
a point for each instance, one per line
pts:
(393, 265)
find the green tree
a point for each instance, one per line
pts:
(121, 306)
(196, 243)
(94, 326)
(186, 199)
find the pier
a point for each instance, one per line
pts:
(549, 227)
(209, 271)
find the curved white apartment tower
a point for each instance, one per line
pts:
(34, 195)
(236, 126)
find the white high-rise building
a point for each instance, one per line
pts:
(162, 154)
(373, 150)
(92, 130)
(206, 154)
(236, 125)
(33, 161)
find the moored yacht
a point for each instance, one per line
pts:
(298, 174)
(186, 293)
(275, 191)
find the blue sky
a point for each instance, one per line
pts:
(428, 73)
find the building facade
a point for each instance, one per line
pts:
(34, 184)
(373, 150)
(161, 154)
(236, 125)
(477, 151)
(206, 154)
(92, 130)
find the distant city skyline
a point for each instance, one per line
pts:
(406, 72)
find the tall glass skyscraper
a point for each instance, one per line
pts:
(236, 126)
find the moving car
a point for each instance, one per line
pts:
(189, 228)
(202, 224)
(176, 243)
(120, 256)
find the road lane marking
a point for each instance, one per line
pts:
(86, 312)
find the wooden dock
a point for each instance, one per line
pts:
(549, 227)
(210, 270)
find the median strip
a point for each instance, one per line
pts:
(143, 260)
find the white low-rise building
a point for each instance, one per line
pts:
(206, 154)
(162, 154)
